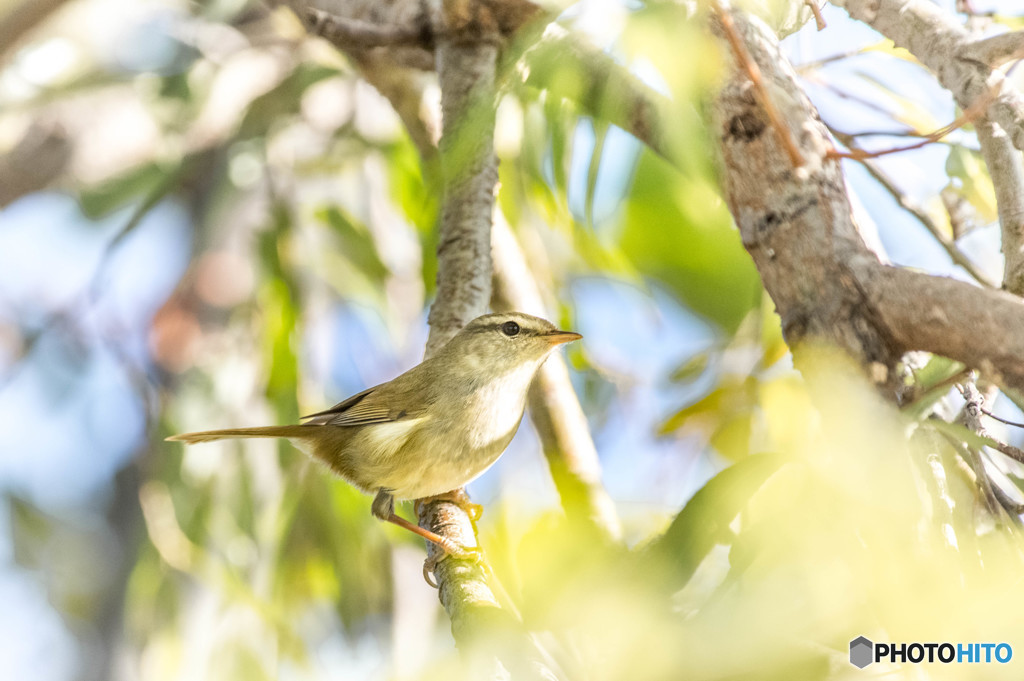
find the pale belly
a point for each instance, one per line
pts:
(445, 461)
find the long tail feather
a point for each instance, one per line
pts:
(266, 431)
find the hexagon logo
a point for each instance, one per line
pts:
(861, 652)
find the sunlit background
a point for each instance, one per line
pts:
(209, 220)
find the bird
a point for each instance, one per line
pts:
(434, 428)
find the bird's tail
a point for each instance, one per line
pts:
(266, 431)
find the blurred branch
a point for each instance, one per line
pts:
(352, 33)
(1006, 168)
(945, 47)
(39, 158)
(22, 19)
(554, 408)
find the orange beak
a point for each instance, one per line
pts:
(559, 337)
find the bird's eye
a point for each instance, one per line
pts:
(510, 328)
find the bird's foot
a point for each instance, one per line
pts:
(449, 549)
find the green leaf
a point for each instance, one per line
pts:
(600, 135)
(734, 396)
(356, 243)
(105, 198)
(731, 438)
(281, 101)
(704, 521)
(692, 369)
(678, 231)
(975, 183)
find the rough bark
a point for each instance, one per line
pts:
(825, 283)
(801, 234)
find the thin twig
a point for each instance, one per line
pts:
(950, 246)
(819, 20)
(818, 63)
(747, 63)
(1008, 422)
(973, 113)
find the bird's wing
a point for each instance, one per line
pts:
(359, 410)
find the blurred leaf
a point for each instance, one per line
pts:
(734, 395)
(281, 101)
(418, 194)
(910, 111)
(280, 317)
(975, 183)
(774, 344)
(31, 530)
(930, 384)
(705, 519)
(678, 230)
(692, 369)
(103, 199)
(731, 438)
(560, 127)
(784, 16)
(356, 244)
(959, 433)
(593, 168)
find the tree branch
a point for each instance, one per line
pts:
(945, 47)
(22, 19)
(995, 50)
(554, 409)
(352, 33)
(824, 281)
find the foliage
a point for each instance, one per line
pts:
(771, 515)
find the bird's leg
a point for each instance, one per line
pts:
(383, 507)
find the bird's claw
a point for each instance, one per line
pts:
(453, 550)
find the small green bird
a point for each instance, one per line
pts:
(436, 427)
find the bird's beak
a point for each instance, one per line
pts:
(559, 337)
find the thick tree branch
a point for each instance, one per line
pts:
(554, 409)
(825, 283)
(945, 47)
